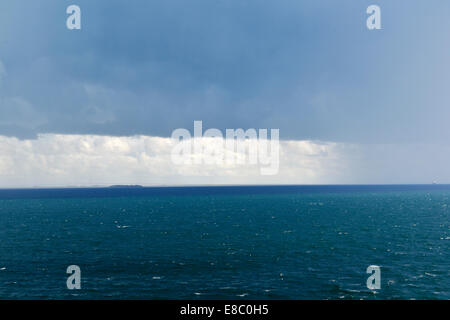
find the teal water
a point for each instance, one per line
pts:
(226, 242)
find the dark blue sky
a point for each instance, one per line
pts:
(310, 68)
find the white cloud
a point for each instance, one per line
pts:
(84, 160)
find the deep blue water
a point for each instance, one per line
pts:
(286, 242)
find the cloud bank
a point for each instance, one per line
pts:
(85, 160)
(55, 160)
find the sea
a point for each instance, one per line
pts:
(226, 242)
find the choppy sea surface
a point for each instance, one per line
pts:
(268, 242)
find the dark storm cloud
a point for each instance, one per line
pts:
(310, 68)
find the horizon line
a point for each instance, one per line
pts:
(138, 186)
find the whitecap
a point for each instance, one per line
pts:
(353, 290)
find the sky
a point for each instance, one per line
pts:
(352, 105)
